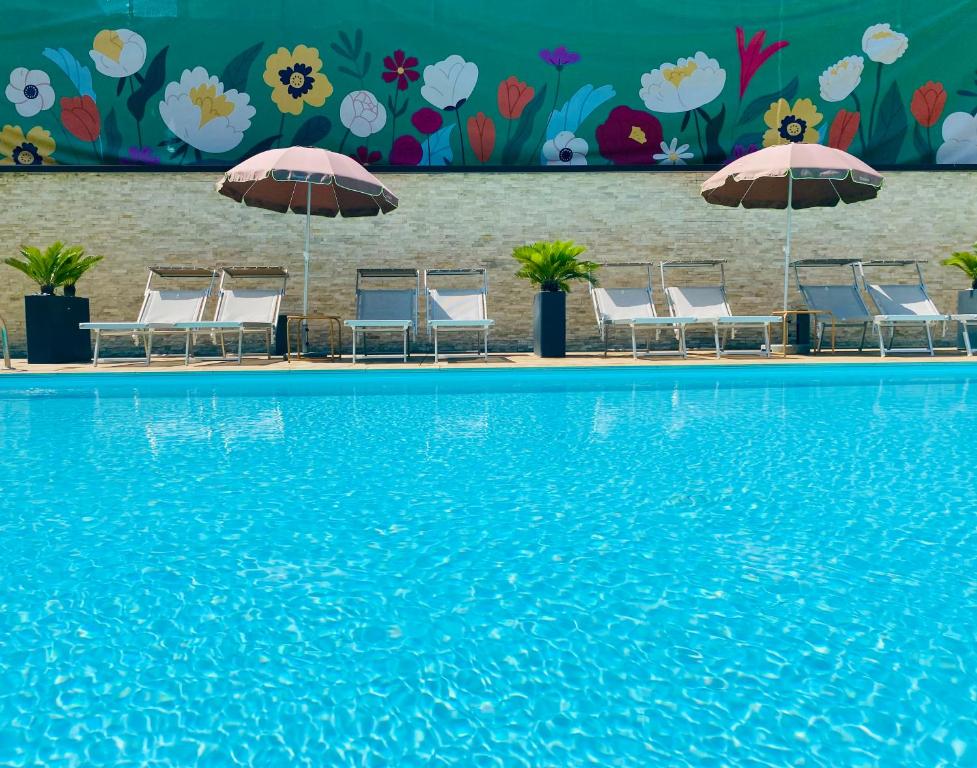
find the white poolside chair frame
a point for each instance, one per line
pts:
(634, 308)
(471, 302)
(161, 310)
(914, 298)
(843, 300)
(368, 299)
(241, 311)
(723, 322)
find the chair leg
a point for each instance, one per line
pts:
(861, 344)
(634, 345)
(682, 348)
(766, 340)
(435, 345)
(240, 345)
(186, 349)
(929, 339)
(881, 340)
(355, 334)
(98, 339)
(719, 353)
(223, 350)
(820, 338)
(268, 342)
(486, 344)
(405, 346)
(966, 339)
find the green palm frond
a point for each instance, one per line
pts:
(965, 261)
(54, 266)
(553, 265)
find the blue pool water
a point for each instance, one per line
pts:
(746, 566)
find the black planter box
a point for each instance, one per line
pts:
(53, 335)
(550, 324)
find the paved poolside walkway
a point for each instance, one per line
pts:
(516, 360)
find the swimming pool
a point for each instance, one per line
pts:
(698, 566)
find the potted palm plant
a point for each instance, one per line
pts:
(966, 261)
(52, 321)
(552, 266)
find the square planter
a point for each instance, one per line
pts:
(550, 324)
(966, 305)
(53, 335)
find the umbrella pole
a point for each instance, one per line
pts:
(305, 259)
(790, 205)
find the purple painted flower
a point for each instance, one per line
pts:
(741, 150)
(406, 151)
(142, 155)
(426, 120)
(559, 57)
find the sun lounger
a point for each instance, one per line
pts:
(241, 310)
(842, 300)
(162, 309)
(904, 305)
(452, 310)
(634, 308)
(385, 310)
(709, 306)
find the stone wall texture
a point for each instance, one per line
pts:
(460, 219)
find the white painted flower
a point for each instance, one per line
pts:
(449, 83)
(684, 86)
(565, 149)
(200, 112)
(118, 52)
(839, 81)
(362, 113)
(883, 44)
(30, 91)
(673, 154)
(959, 139)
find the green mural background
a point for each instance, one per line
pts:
(484, 84)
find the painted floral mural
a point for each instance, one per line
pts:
(147, 90)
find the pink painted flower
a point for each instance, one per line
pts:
(753, 56)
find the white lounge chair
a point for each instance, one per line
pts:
(709, 305)
(634, 308)
(457, 309)
(843, 300)
(904, 305)
(241, 310)
(385, 310)
(162, 309)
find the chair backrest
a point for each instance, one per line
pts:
(387, 304)
(901, 299)
(703, 302)
(844, 302)
(621, 304)
(248, 305)
(456, 304)
(173, 306)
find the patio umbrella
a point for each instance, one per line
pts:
(793, 176)
(310, 181)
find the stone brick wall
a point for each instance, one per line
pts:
(458, 219)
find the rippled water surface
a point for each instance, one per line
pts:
(763, 566)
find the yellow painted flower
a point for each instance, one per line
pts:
(788, 125)
(295, 79)
(33, 149)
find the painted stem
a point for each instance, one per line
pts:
(393, 123)
(875, 100)
(861, 131)
(132, 89)
(556, 97)
(461, 138)
(342, 143)
(698, 135)
(281, 129)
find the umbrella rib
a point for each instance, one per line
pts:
(832, 183)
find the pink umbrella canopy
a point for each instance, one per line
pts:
(287, 179)
(311, 181)
(821, 176)
(792, 176)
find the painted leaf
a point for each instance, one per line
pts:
(312, 131)
(151, 85)
(236, 73)
(121, 85)
(575, 111)
(112, 136)
(79, 75)
(261, 146)
(481, 136)
(762, 103)
(922, 147)
(890, 129)
(843, 129)
(436, 148)
(714, 125)
(524, 129)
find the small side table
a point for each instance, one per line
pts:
(785, 314)
(335, 341)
